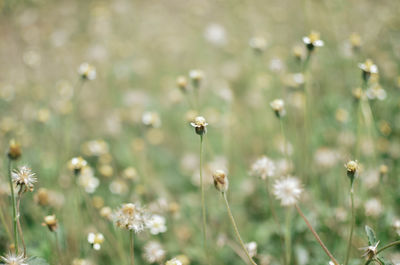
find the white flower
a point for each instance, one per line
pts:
(173, 261)
(313, 40)
(156, 224)
(200, 125)
(131, 216)
(288, 190)
(87, 71)
(151, 119)
(215, 34)
(154, 252)
(24, 178)
(87, 180)
(263, 168)
(14, 259)
(96, 240)
(368, 67)
(278, 106)
(251, 247)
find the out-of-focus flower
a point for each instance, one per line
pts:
(24, 178)
(278, 106)
(156, 224)
(368, 68)
(95, 239)
(76, 164)
(51, 222)
(396, 226)
(118, 186)
(258, 44)
(151, 119)
(252, 248)
(87, 180)
(131, 216)
(313, 40)
(154, 252)
(288, 190)
(87, 71)
(263, 167)
(355, 40)
(182, 83)
(197, 77)
(215, 34)
(95, 148)
(14, 259)
(173, 261)
(373, 207)
(14, 150)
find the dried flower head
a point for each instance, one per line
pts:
(24, 178)
(197, 77)
(313, 40)
(182, 83)
(95, 239)
(173, 261)
(221, 182)
(156, 224)
(51, 222)
(14, 150)
(352, 168)
(288, 190)
(14, 259)
(278, 106)
(368, 68)
(76, 164)
(263, 168)
(200, 125)
(131, 216)
(154, 252)
(87, 71)
(370, 251)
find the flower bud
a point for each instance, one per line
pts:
(14, 150)
(200, 125)
(51, 222)
(278, 106)
(182, 83)
(221, 182)
(352, 168)
(196, 76)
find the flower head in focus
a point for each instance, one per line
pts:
(288, 190)
(221, 182)
(200, 125)
(24, 178)
(131, 217)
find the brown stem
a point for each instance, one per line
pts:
(316, 236)
(21, 235)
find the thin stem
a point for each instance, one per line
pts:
(21, 235)
(316, 236)
(351, 225)
(236, 229)
(13, 206)
(203, 204)
(288, 237)
(132, 247)
(285, 145)
(5, 224)
(395, 243)
(58, 248)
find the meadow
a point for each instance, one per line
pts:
(200, 132)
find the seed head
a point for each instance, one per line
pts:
(200, 125)
(24, 178)
(263, 168)
(131, 217)
(278, 106)
(221, 182)
(14, 150)
(156, 224)
(51, 222)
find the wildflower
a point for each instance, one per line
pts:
(288, 190)
(278, 106)
(106, 212)
(87, 71)
(373, 207)
(368, 68)
(352, 168)
(76, 164)
(182, 83)
(258, 44)
(221, 182)
(355, 40)
(42, 197)
(14, 150)
(173, 261)
(252, 248)
(263, 168)
(131, 216)
(215, 34)
(383, 170)
(156, 224)
(357, 93)
(183, 259)
(313, 40)
(87, 180)
(196, 76)
(14, 259)
(24, 178)
(154, 252)
(95, 239)
(298, 52)
(51, 222)
(151, 119)
(81, 262)
(370, 251)
(200, 125)
(95, 148)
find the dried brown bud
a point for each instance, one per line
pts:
(51, 222)
(14, 150)
(221, 182)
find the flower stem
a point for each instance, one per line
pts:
(132, 247)
(288, 238)
(395, 243)
(13, 206)
(316, 236)
(21, 235)
(203, 204)
(285, 144)
(351, 225)
(58, 248)
(4, 222)
(236, 229)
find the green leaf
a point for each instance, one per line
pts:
(371, 235)
(37, 261)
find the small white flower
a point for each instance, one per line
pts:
(288, 190)
(369, 67)
(24, 178)
(95, 240)
(87, 71)
(278, 106)
(13, 259)
(251, 247)
(154, 252)
(215, 34)
(156, 224)
(174, 261)
(87, 180)
(313, 40)
(263, 168)
(151, 119)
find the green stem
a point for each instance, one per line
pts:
(132, 247)
(203, 203)
(316, 236)
(21, 235)
(285, 144)
(395, 243)
(13, 206)
(236, 229)
(351, 225)
(4, 222)
(288, 238)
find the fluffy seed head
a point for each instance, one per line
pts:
(263, 168)
(154, 252)
(131, 217)
(24, 178)
(288, 190)
(221, 182)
